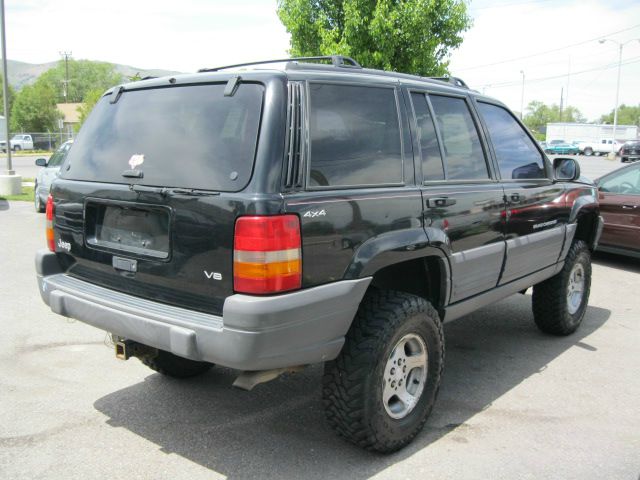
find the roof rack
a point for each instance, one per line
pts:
(458, 82)
(336, 61)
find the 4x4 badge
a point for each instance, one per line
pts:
(315, 213)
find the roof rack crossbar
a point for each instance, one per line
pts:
(336, 61)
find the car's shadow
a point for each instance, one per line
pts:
(622, 262)
(4, 204)
(278, 430)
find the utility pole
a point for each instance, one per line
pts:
(65, 83)
(5, 90)
(615, 110)
(561, 102)
(10, 183)
(522, 97)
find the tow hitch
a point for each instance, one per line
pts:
(125, 349)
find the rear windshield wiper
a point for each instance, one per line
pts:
(164, 191)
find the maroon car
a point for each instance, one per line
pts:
(619, 195)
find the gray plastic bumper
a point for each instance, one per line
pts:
(254, 333)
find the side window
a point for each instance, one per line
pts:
(517, 155)
(626, 182)
(355, 136)
(464, 156)
(431, 158)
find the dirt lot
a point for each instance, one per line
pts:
(514, 403)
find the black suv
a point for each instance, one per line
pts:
(269, 218)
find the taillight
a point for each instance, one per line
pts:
(267, 254)
(50, 241)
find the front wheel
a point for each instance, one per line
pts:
(40, 207)
(380, 390)
(559, 303)
(588, 151)
(17, 148)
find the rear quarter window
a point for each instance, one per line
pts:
(354, 135)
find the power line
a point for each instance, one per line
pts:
(547, 51)
(511, 4)
(544, 79)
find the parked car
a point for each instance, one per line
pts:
(319, 213)
(603, 147)
(630, 151)
(560, 147)
(619, 196)
(46, 175)
(18, 142)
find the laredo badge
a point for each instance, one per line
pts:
(136, 159)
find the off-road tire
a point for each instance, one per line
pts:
(550, 307)
(171, 365)
(352, 384)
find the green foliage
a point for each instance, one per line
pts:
(412, 36)
(539, 114)
(90, 100)
(34, 109)
(627, 115)
(12, 96)
(84, 76)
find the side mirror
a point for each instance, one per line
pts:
(566, 169)
(41, 162)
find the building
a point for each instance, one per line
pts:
(586, 132)
(70, 116)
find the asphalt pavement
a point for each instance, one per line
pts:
(514, 403)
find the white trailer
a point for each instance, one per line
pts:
(586, 132)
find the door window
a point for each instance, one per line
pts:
(464, 156)
(626, 182)
(431, 159)
(516, 153)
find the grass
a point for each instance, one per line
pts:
(25, 196)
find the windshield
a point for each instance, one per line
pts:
(57, 158)
(186, 137)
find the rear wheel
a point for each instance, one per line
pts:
(173, 366)
(380, 390)
(559, 303)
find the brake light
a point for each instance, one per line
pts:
(267, 254)
(49, 229)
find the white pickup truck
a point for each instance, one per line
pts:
(605, 146)
(18, 142)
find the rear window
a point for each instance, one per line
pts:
(186, 137)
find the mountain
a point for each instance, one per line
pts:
(21, 73)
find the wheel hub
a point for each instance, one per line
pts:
(405, 375)
(575, 288)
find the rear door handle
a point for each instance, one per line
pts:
(440, 202)
(629, 207)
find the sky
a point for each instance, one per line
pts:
(542, 38)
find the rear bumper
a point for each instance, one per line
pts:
(254, 333)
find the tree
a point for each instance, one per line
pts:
(412, 36)
(539, 114)
(84, 76)
(34, 109)
(627, 115)
(90, 100)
